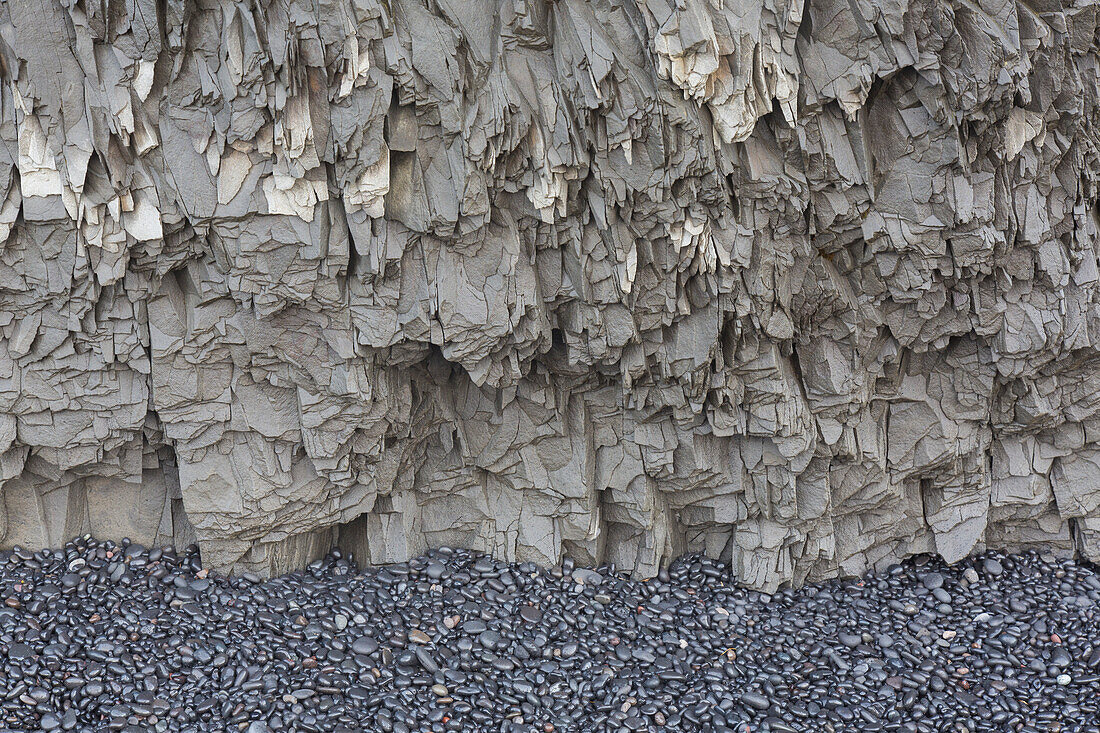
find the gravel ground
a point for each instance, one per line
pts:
(99, 637)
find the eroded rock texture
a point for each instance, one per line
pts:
(810, 285)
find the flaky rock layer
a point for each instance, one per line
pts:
(806, 285)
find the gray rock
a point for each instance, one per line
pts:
(850, 640)
(364, 645)
(758, 282)
(586, 576)
(932, 581)
(755, 700)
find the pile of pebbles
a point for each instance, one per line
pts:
(104, 637)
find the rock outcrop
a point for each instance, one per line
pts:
(808, 285)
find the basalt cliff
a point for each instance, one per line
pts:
(807, 285)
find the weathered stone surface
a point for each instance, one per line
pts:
(807, 285)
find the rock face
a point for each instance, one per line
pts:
(808, 285)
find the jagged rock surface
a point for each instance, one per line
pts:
(807, 285)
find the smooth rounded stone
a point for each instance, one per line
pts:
(586, 576)
(425, 659)
(504, 664)
(419, 637)
(1060, 658)
(530, 614)
(435, 570)
(484, 566)
(755, 700)
(850, 640)
(1063, 679)
(992, 567)
(971, 576)
(474, 626)
(365, 645)
(931, 581)
(18, 650)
